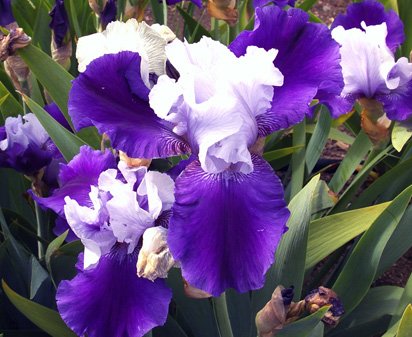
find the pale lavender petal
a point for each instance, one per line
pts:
(373, 13)
(308, 59)
(103, 96)
(110, 300)
(225, 227)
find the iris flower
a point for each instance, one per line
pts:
(229, 213)
(59, 22)
(368, 37)
(109, 209)
(25, 145)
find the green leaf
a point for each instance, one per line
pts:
(291, 253)
(280, 153)
(306, 4)
(305, 326)
(400, 135)
(45, 318)
(196, 314)
(405, 326)
(318, 140)
(387, 186)
(53, 247)
(298, 159)
(68, 143)
(353, 158)
(398, 244)
(403, 302)
(9, 106)
(170, 329)
(329, 233)
(38, 277)
(405, 13)
(54, 78)
(372, 315)
(351, 285)
(196, 30)
(334, 134)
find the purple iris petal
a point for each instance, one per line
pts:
(56, 113)
(398, 103)
(225, 227)
(59, 22)
(308, 58)
(102, 96)
(373, 13)
(76, 178)
(111, 300)
(6, 13)
(109, 12)
(280, 3)
(60, 226)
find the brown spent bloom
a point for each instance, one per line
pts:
(15, 39)
(223, 10)
(374, 122)
(134, 162)
(322, 296)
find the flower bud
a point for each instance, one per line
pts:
(223, 10)
(61, 46)
(322, 296)
(374, 122)
(97, 5)
(193, 292)
(155, 259)
(6, 13)
(272, 318)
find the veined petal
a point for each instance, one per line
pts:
(102, 96)
(308, 58)
(373, 13)
(76, 178)
(225, 227)
(111, 300)
(366, 60)
(216, 100)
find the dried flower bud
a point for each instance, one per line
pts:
(223, 10)
(193, 292)
(134, 162)
(155, 259)
(9, 43)
(272, 318)
(322, 296)
(374, 122)
(97, 5)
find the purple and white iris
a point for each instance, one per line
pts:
(107, 298)
(25, 145)
(368, 37)
(229, 213)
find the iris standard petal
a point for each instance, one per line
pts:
(110, 300)
(76, 178)
(308, 58)
(225, 227)
(103, 96)
(373, 13)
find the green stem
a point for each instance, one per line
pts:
(41, 230)
(164, 12)
(222, 316)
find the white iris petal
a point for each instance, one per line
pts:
(132, 36)
(216, 100)
(368, 65)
